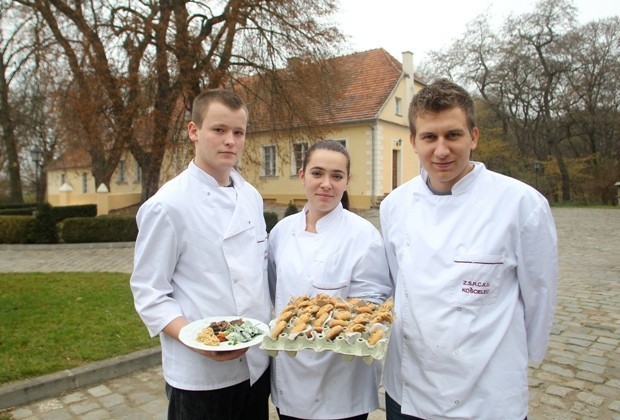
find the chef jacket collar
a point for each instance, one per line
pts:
(462, 184)
(238, 180)
(324, 222)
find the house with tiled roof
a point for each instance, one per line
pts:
(70, 182)
(368, 115)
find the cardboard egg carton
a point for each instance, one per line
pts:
(352, 328)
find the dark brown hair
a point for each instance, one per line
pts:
(333, 146)
(439, 96)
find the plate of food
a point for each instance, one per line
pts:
(223, 333)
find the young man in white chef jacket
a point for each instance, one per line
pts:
(201, 252)
(473, 255)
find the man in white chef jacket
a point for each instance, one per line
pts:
(201, 252)
(473, 255)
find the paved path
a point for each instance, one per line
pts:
(579, 379)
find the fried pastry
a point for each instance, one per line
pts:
(333, 332)
(278, 329)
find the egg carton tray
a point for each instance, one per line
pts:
(352, 327)
(348, 345)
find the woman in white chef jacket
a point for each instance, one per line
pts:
(325, 249)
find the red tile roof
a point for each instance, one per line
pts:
(362, 84)
(73, 158)
(369, 79)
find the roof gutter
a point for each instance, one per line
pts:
(373, 140)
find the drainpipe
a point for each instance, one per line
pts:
(372, 164)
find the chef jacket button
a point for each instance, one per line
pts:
(235, 281)
(404, 337)
(316, 401)
(406, 385)
(457, 402)
(458, 308)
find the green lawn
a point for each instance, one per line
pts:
(56, 321)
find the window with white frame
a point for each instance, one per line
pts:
(299, 154)
(341, 141)
(399, 106)
(138, 171)
(269, 161)
(121, 171)
(84, 182)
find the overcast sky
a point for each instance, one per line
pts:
(420, 26)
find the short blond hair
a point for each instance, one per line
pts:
(202, 102)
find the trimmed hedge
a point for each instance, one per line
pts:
(6, 206)
(45, 225)
(120, 228)
(41, 228)
(64, 212)
(17, 229)
(58, 213)
(271, 218)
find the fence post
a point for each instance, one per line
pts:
(66, 191)
(103, 205)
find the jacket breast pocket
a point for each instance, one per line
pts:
(477, 279)
(331, 288)
(261, 244)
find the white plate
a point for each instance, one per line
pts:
(188, 333)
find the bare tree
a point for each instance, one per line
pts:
(593, 106)
(594, 103)
(12, 58)
(549, 82)
(136, 66)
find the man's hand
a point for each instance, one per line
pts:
(175, 326)
(222, 356)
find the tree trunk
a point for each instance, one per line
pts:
(150, 181)
(41, 185)
(9, 140)
(563, 172)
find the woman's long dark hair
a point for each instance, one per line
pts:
(334, 146)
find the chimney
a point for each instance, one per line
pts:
(408, 63)
(409, 75)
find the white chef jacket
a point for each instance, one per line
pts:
(344, 258)
(201, 252)
(475, 275)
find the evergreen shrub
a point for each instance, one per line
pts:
(271, 218)
(291, 209)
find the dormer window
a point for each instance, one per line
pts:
(399, 106)
(299, 154)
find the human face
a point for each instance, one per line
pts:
(444, 144)
(325, 179)
(219, 141)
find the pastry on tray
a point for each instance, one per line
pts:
(352, 327)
